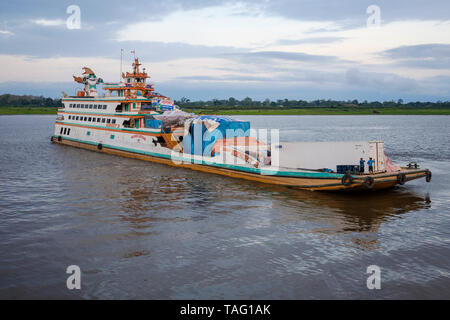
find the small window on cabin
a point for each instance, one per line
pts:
(112, 137)
(103, 120)
(104, 107)
(98, 119)
(70, 105)
(88, 133)
(90, 119)
(128, 80)
(65, 130)
(113, 120)
(108, 121)
(93, 119)
(69, 117)
(68, 131)
(77, 118)
(95, 106)
(78, 105)
(82, 105)
(61, 131)
(90, 106)
(85, 118)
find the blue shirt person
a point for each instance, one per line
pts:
(370, 163)
(361, 165)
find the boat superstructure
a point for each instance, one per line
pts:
(130, 119)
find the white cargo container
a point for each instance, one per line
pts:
(320, 155)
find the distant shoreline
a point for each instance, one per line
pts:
(263, 111)
(324, 111)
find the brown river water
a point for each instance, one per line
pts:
(140, 230)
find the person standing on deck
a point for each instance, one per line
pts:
(370, 163)
(361, 165)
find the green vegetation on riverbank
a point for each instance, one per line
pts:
(12, 104)
(237, 111)
(25, 110)
(320, 111)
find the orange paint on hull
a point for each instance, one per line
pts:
(382, 181)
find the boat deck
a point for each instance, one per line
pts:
(300, 179)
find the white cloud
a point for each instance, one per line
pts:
(230, 25)
(23, 68)
(49, 22)
(61, 69)
(6, 33)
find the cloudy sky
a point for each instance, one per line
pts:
(204, 49)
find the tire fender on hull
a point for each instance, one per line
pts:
(347, 179)
(401, 179)
(369, 182)
(428, 176)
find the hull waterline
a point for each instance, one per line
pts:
(322, 183)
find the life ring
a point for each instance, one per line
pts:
(99, 146)
(401, 178)
(347, 179)
(59, 138)
(369, 182)
(428, 176)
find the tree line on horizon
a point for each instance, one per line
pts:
(10, 100)
(248, 103)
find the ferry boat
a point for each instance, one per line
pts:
(130, 119)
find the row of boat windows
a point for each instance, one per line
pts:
(92, 119)
(64, 131)
(88, 106)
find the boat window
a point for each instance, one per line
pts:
(95, 106)
(93, 119)
(61, 131)
(76, 118)
(90, 119)
(85, 118)
(98, 119)
(112, 137)
(65, 130)
(69, 117)
(70, 105)
(108, 121)
(103, 120)
(68, 131)
(113, 120)
(104, 107)
(90, 106)
(78, 105)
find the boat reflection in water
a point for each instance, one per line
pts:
(181, 199)
(358, 215)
